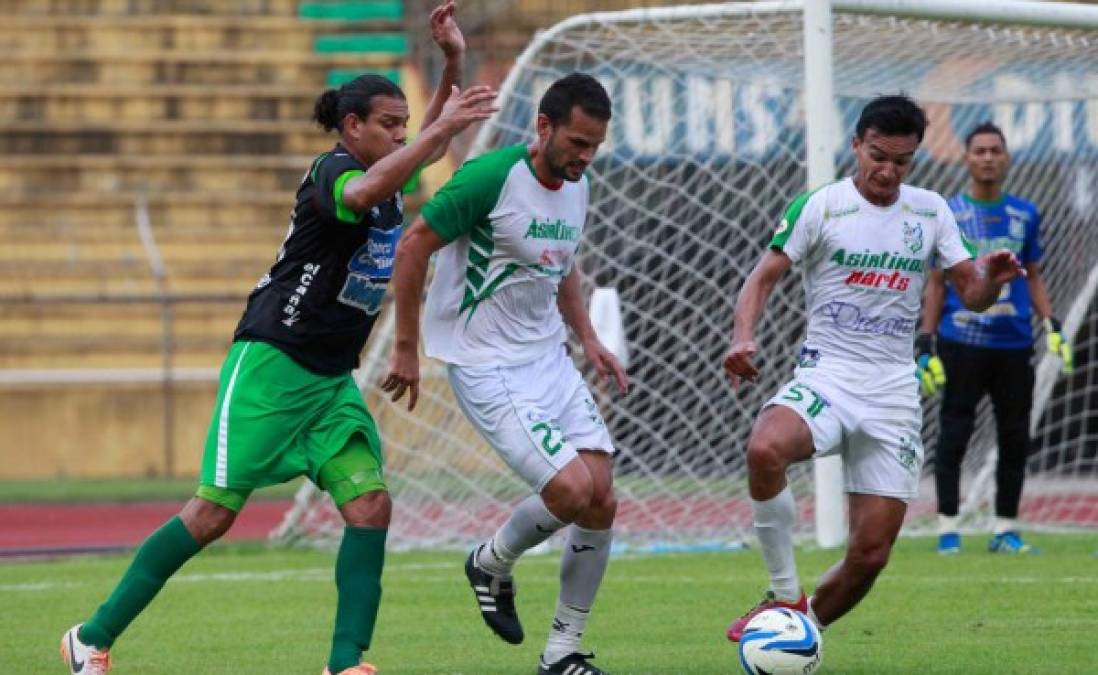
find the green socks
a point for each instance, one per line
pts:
(159, 557)
(358, 580)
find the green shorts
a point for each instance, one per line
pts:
(275, 420)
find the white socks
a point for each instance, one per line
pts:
(582, 567)
(813, 618)
(774, 520)
(947, 524)
(1005, 525)
(529, 525)
(564, 637)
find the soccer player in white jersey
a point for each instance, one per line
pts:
(863, 244)
(508, 224)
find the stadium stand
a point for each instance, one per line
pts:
(200, 106)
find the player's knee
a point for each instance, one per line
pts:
(206, 521)
(869, 560)
(373, 509)
(578, 493)
(569, 494)
(603, 508)
(764, 455)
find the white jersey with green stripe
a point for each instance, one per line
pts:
(493, 300)
(864, 268)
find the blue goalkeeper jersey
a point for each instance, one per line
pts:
(1010, 223)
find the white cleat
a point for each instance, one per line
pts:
(83, 659)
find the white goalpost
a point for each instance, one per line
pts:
(723, 114)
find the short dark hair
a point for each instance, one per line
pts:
(575, 89)
(892, 115)
(985, 128)
(353, 97)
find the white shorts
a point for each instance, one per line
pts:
(873, 421)
(535, 415)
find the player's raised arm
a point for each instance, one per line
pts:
(409, 273)
(572, 310)
(447, 35)
(391, 172)
(749, 306)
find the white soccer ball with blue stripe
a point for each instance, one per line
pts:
(780, 642)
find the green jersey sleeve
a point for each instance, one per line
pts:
(793, 236)
(467, 199)
(330, 173)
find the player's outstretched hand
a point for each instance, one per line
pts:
(1058, 345)
(466, 107)
(928, 367)
(737, 363)
(403, 376)
(606, 365)
(445, 31)
(1003, 266)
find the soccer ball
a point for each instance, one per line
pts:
(780, 642)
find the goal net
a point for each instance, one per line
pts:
(705, 149)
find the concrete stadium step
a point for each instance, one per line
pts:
(297, 69)
(32, 321)
(252, 234)
(128, 281)
(154, 7)
(181, 32)
(84, 216)
(172, 213)
(241, 252)
(164, 137)
(92, 173)
(105, 351)
(105, 102)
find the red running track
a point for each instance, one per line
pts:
(54, 529)
(43, 529)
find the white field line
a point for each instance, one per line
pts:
(324, 575)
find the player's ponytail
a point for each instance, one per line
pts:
(326, 110)
(353, 97)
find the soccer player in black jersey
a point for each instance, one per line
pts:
(287, 404)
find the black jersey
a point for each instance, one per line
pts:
(323, 294)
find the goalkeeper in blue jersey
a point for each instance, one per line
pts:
(987, 352)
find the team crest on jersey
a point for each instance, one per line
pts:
(1017, 228)
(913, 237)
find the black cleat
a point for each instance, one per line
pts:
(573, 664)
(496, 599)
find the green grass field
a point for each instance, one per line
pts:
(245, 610)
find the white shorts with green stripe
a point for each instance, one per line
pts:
(872, 417)
(536, 415)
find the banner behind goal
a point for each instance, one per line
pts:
(706, 148)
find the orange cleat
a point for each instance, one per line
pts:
(83, 659)
(360, 669)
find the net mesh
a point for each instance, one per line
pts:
(705, 150)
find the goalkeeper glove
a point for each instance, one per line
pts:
(929, 370)
(1058, 345)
